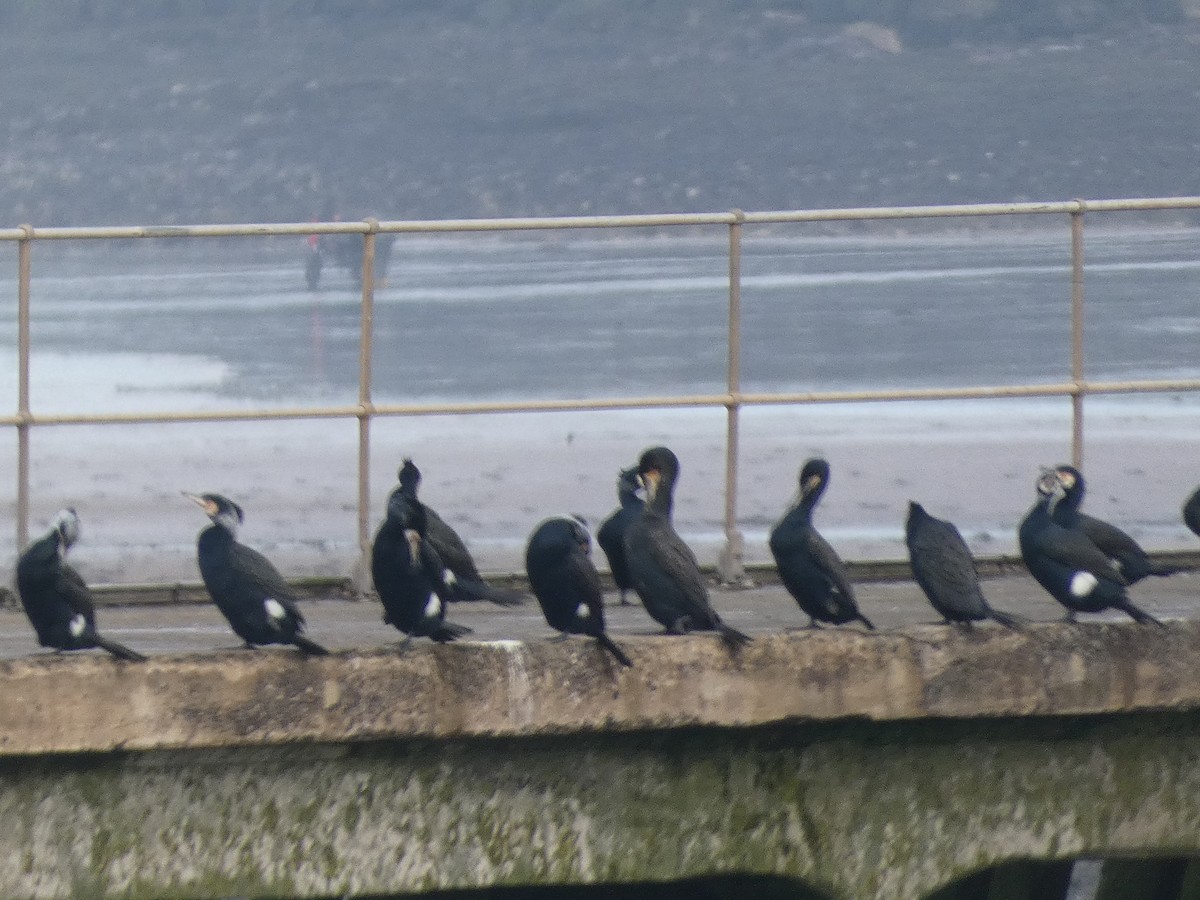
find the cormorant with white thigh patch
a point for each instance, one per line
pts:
(809, 568)
(469, 584)
(1066, 563)
(664, 570)
(413, 583)
(566, 584)
(611, 536)
(1123, 551)
(56, 598)
(248, 590)
(944, 568)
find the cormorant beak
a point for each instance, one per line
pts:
(649, 480)
(811, 483)
(1056, 495)
(210, 508)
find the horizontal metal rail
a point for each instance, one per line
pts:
(732, 400)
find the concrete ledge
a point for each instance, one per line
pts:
(66, 704)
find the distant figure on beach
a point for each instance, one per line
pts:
(663, 568)
(260, 606)
(55, 597)
(809, 567)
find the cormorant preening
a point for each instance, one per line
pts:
(810, 569)
(565, 582)
(469, 584)
(664, 570)
(1066, 563)
(1191, 513)
(1123, 551)
(944, 568)
(248, 590)
(55, 596)
(611, 536)
(412, 582)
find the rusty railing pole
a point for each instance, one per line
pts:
(362, 572)
(1077, 374)
(731, 564)
(23, 414)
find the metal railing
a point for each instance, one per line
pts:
(733, 400)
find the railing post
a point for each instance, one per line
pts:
(731, 565)
(24, 247)
(1077, 373)
(362, 572)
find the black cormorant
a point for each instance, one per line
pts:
(611, 536)
(248, 590)
(1191, 513)
(663, 568)
(451, 550)
(809, 568)
(566, 584)
(1123, 551)
(1066, 563)
(412, 582)
(55, 596)
(944, 568)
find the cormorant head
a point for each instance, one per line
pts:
(916, 512)
(65, 524)
(1071, 480)
(627, 482)
(410, 476)
(223, 511)
(579, 532)
(1051, 489)
(814, 475)
(658, 464)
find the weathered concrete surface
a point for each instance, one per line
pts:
(862, 765)
(60, 704)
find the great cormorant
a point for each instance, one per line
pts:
(413, 583)
(664, 569)
(944, 568)
(56, 598)
(1191, 513)
(261, 607)
(809, 568)
(450, 549)
(566, 584)
(611, 536)
(1123, 551)
(1066, 563)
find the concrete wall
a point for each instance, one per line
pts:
(863, 766)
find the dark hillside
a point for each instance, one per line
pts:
(282, 111)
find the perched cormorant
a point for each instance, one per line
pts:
(566, 584)
(411, 580)
(55, 596)
(944, 568)
(1067, 564)
(1123, 551)
(1191, 513)
(248, 590)
(611, 536)
(469, 584)
(664, 570)
(809, 568)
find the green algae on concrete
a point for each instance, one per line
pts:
(851, 810)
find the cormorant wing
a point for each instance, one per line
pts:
(1073, 548)
(74, 590)
(449, 546)
(675, 557)
(825, 558)
(582, 573)
(939, 551)
(251, 567)
(1111, 540)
